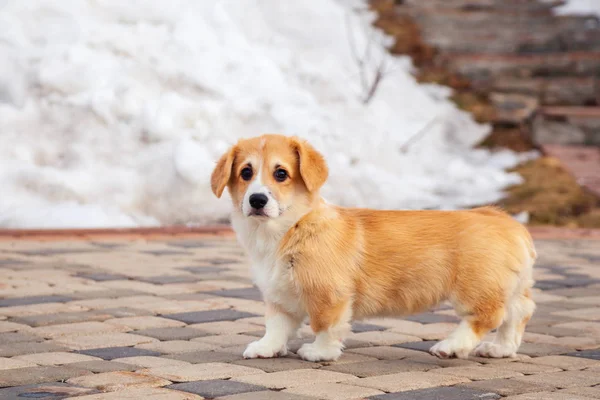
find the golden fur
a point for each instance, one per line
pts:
(344, 262)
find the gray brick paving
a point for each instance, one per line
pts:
(193, 300)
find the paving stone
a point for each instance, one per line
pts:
(436, 331)
(142, 393)
(76, 329)
(55, 358)
(333, 391)
(277, 364)
(110, 353)
(508, 360)
(126, 312)
(199, 357)
(111, 381)
(358, 327)
(6, 326)
(93, 341)
(547, 396)
(589, 314)
(201, 372)
(17, 349)
(189, 244)
(168, 253)
(379, 367)
(537, 350)
(431, 318)
(103, 366)
(507, 387)
(12, 363)
(151, 362)
(101, 276)
(478, 373)
(176, 346)
(168, 279)
(32, 375)
(586, 327)
(64, 318)
(299, 377)
(197, 317)
(265, 395)
(553, 330)
(145, 322)
(16, 337)
(23, 301)
(211, 389)
(39, 309)
(181, 333)
(424, 345)
(405, 381)
(226, 340)
(566, 362)
(563, 380)
(45, 391)
(377, 338)
(590, 354)
(203, 270)
(105, 294)
(227, 327)
(346, 358)
(427, 358)
(590, 392)
(523, 368)
(250, 293)
(440, 393)
(385, 352)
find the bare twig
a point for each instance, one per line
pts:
(369, 86)
(420, 133)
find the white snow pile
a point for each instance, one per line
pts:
(580, 7)
(113, 113)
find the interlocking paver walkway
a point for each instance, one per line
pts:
(169, 319)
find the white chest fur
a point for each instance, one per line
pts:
(272, 276)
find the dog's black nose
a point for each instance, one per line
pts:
(258, 200)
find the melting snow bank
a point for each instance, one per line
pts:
(580, 7)
(113, 113)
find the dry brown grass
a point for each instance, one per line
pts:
(552, 196)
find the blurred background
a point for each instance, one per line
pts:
(113, 113)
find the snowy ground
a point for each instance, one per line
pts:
(113, 112)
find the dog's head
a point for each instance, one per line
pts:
(270, 175)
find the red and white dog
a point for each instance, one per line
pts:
(333, 264)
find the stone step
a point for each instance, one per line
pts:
(500, 5)
(551, 91)
(479, 67)
(513, 109)
(567, 126)
(458, 31)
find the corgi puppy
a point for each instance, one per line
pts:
(334, 264)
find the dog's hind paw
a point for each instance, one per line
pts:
(494, 350)
(314, 352)
(262, 349)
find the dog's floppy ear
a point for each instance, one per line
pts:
(222, 172)
(312, 165)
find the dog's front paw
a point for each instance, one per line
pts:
(264, 349)
(313, 352)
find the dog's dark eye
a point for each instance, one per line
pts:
(246, 174)
(280, 175)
